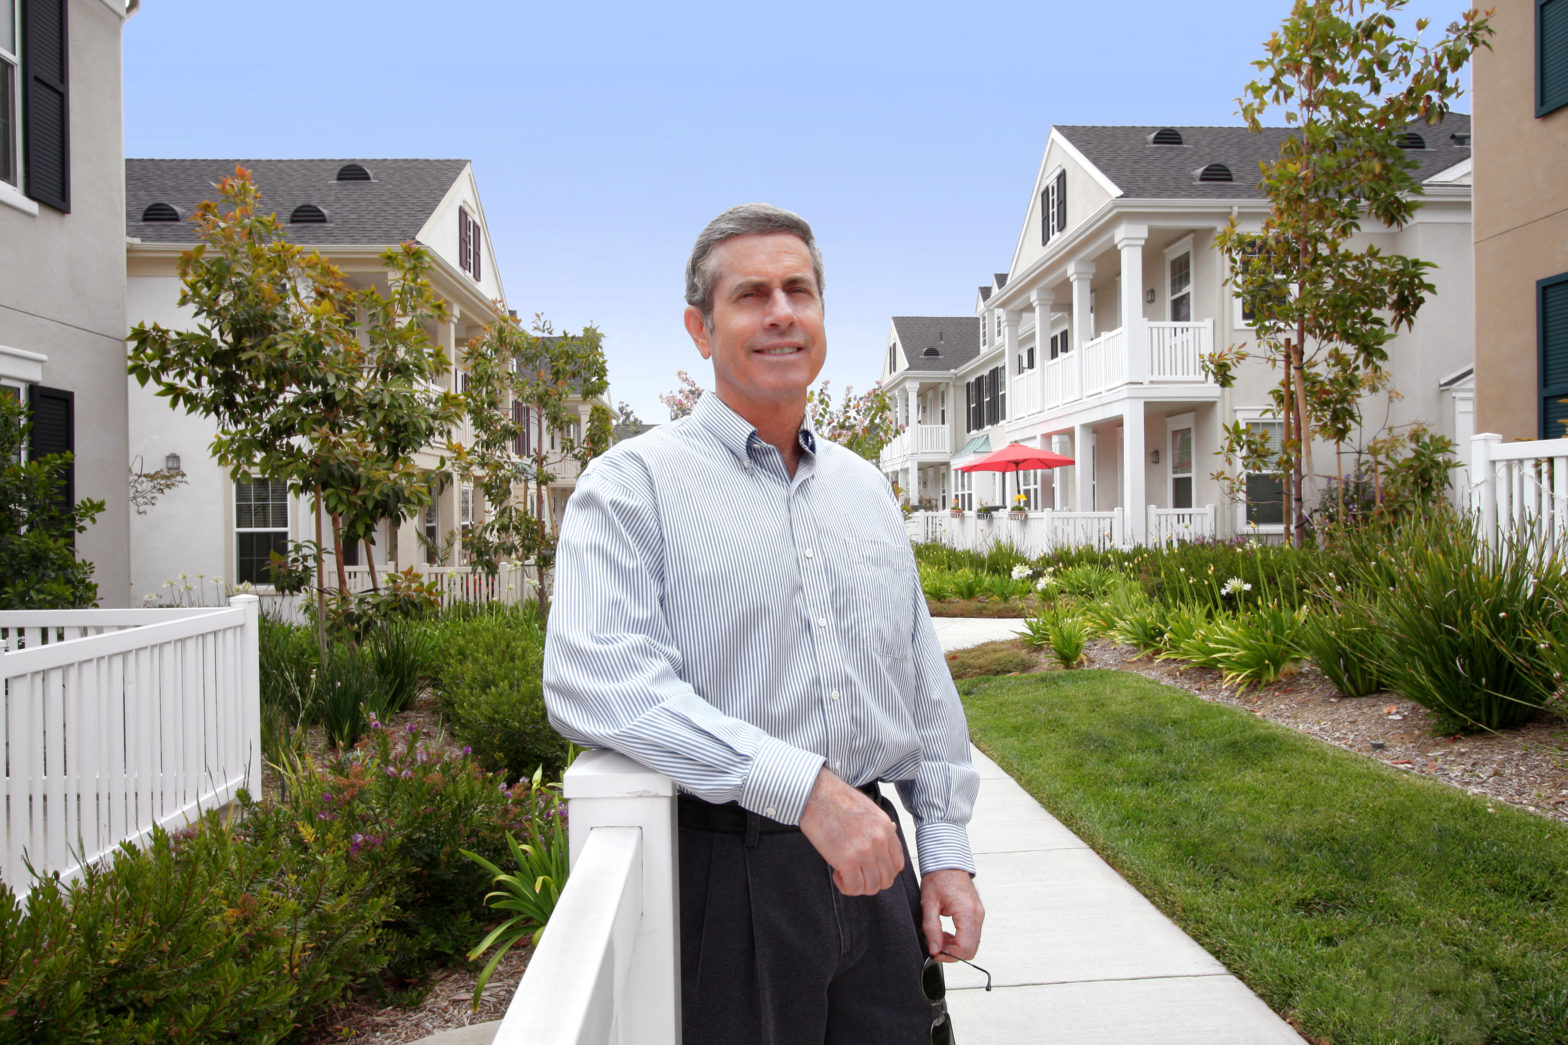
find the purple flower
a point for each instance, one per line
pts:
(422, 757)
(412, 728)
(391, 771)
(407, 773)
(326, 796)
(469, 751)
(326, 816)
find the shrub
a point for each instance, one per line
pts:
(967, 584)
(1255, 647)
(401, 652)
(935, 583)
(1343, 640)
(489, 677)
(1086, 580)
(1462, 618)
(1187, 629)
(1060, 630)
(1138, 620)
(288, 657)
(346, 690)
(219, 934)
(405, 817)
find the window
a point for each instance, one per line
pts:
(1181, 468)
(892, 357)
(964, 489)
(261, 527)
(1255, 253)
(469, 243)
(1060, 344)
(432, 535)
(1029, 486)
(984, 327)
(1551, 55)
(10, 79)
(465, 508)
(35, 115)
(942, 406)
(1266, 490)
(996, 318)
(1552, 321)
(1178, 280)
(1053, 207)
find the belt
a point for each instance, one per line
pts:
(731, 818)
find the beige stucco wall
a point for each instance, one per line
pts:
(1521, 221)
(62, 289)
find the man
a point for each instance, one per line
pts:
(736, 605)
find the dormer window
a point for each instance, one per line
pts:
(1053, 207)
(469, 243)
(160, 212)
(352, 172)
(1411, 140)
(1165, 136)
(308, 214)
(1215, 172)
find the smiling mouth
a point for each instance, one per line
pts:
(780, 350)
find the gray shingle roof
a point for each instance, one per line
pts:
(956, 339)
(387, 210)
(1168, 172)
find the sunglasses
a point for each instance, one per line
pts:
(934, 984)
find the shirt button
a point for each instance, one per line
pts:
(838, 765)
(822, 622)
(810, 554)
(770, 811)
(834, 694)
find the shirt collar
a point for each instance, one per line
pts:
(734, 432)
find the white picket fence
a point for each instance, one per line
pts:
(513, 583)
(1035, 533)
(115, 721)
(1168, 526)
(607, 971)
(1521, 488)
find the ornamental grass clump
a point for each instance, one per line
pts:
(1060, 629)
(1139, 621)
(1463, 620)
(1256, 647)
(1342, 638)
(1187, 629)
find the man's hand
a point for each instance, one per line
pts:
(853, 835)
(951, 892)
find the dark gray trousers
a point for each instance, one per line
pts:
(773, 954)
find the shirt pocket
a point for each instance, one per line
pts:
(882, 610)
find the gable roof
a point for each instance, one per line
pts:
(389, 209)
(1169, 172)
(956, 339)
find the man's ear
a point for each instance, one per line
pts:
(698, 331)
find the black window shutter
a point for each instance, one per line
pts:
(1552, 316)
(46, 113)
(1045, 216)
(462, 239)
(54, 432)
(517, 419)
(474, 246)
(1551, 55)
(1061, 201)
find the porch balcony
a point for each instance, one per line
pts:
(1172, 353)
(924, 442)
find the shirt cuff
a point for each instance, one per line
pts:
(781, 780)
(943, 846)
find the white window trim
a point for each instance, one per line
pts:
(1245, 414)
(11, 197)
(287, 529)
(1173, 424)
(1052, 205)
(18, 366)
(1172, 252)
(1239, 321)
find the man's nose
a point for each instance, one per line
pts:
(781, 311)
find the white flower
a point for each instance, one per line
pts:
(1235, 586)
(1046, 582)
(1021, 571)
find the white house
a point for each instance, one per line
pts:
(351, 210)
(62, 288)
(1091, 342)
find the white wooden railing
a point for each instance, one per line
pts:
(1035, 534)
(917, 439)
(1175, 354)
(119, 720)
(1026, 398)
(607, 971)
(1176, 350)
(1521, 488)
(1179, 525)
(1105, 362)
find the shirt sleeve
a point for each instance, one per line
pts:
(941, 796)
(612, 669)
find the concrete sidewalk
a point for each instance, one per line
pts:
(1077, 956)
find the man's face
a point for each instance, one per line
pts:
(767, 343)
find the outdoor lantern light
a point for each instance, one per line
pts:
(171, 463)
(1148, 296)
(1154, 457)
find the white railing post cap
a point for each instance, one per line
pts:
(600, 773)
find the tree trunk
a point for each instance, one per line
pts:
(321, 587)
(1304, 453)
(370, 564)
(337, 552)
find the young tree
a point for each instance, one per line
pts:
(521, 404)
(1348, 83)
(326, 387)
(39, 569)
(862, 423)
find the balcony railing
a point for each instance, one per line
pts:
(917, 440)
(1175, 353)
(1026, 397)
(1179, 525)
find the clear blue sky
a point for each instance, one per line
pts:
(604, 135)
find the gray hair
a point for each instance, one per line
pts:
(748, 219)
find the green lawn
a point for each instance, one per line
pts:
(1365, 905)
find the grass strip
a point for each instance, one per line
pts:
(1365, 905)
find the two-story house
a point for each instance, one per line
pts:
(1521, 221)
(925, 355)
(352, 210)
(62, 285)
(1116, 293)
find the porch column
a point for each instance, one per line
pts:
(1010, 318)
(1081, 275)
(1135, 506)
(912, 411)
(1083, 475)
(1130, 240)
(1042, 298)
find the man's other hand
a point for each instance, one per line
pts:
(951, 892)
(853, 835)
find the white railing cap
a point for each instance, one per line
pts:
(607, 774)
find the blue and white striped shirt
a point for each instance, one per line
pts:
(736, 628)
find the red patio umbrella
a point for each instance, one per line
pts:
(1016, 457)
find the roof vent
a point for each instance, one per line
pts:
(932, 351)
(160, 212)
(1165, 136)
(1411, 140)
(1215, 172)
(352, 172)
(308, 214)
(1461, 138)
